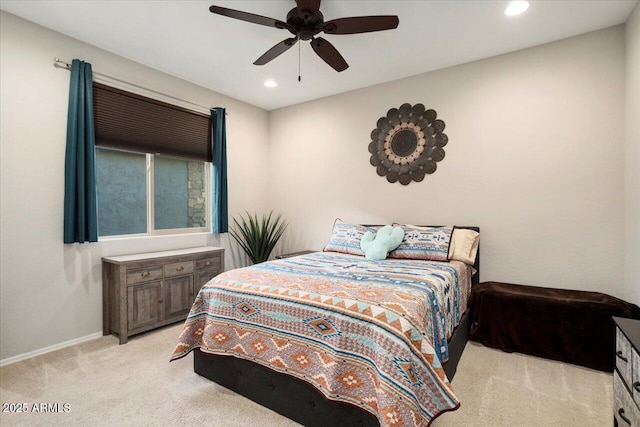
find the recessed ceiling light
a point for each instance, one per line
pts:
(270, 83)
(516, 7)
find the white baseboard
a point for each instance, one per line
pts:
(29, 355)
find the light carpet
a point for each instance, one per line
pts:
(106, 384)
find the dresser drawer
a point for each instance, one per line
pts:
(178, 269)
(624, 410)
(623, 356)
(208, 264)
(636, 378)
(144, 274)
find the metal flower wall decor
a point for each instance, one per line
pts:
(407, 143)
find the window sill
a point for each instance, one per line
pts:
(151, 236)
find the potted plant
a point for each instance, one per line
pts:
(258, 237)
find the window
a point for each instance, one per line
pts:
(121, 181)
(151, 194)
(153, 170)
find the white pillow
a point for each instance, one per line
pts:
(464, 245)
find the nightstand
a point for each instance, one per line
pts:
(292, 254)
(626, 376)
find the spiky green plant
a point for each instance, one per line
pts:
(258, 237)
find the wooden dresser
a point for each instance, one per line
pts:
(141, 292)
(626, 376)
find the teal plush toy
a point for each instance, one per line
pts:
(377, 246)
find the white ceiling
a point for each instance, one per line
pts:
(184, 39)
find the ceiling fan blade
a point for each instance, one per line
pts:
(308, 9)
(276, 51)
(360, 24)
(248, 17)
(329, 54)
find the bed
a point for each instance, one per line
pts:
(334, 339)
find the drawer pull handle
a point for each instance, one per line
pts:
(625, 419)
(145, 273)
(636, 385)
(207, 263)
(179, 268)
(620, 356)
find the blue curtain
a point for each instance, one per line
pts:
(219, 150)
(80, 211)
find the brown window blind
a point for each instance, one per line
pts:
(127, 121)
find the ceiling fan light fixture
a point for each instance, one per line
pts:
(270, 83)
(516, 7)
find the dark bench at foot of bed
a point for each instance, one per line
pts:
(566, 325)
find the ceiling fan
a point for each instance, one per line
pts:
(305, 22)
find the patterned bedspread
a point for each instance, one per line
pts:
(370, 333)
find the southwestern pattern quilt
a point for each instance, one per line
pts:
(370, 333)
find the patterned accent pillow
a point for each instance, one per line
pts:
(426, 243)
(345, 238)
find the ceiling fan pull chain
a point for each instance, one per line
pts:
(299, 78)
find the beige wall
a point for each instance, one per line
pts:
(52, 293)
(632, 158)
(535, 158)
